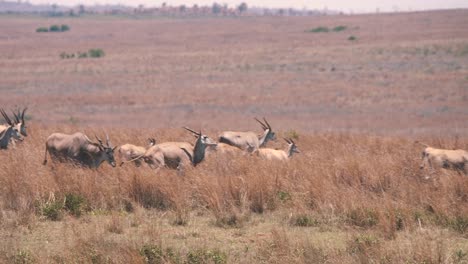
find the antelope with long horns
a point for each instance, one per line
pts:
(176, 155)
(11, 132)
(20, 124)
(249, 141)
(276, 154)
(128, 152)
(79, 149)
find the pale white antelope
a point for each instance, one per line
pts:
(249, 141)
(175, 155)
(11, 132)
(277, 154)
(444, 158)
(79, 149)
(20, 124)
(128, 152)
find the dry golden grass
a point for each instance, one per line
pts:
(354, 194)
(346, 198)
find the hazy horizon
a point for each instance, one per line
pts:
(361, 6)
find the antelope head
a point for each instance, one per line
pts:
(292, 147)
(270, 135)
(107, 150)
(20, 123)
(203, 139)
(151, 142)
(15, 133)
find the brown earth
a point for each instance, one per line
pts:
(404, 74)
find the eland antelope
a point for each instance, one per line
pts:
(175, 155)
(248, 141)
(11, 132)
(79, 149)
(444, 158)
(276, 154)
(20, 124)
(129, 152)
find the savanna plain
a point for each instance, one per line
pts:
(354, 100)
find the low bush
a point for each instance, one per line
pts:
(54, 28)
(75, 204)
(339, 28)
(319, 30)
(96, 53)
(303, 220)
(42, 29)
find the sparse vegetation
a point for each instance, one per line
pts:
(319, 30)
(42, 29)
(54, 28)
(96, 53)
(323, 29)
(303, 220)
(339, 28)
(92, 53)
(75, 204)
(52, 210)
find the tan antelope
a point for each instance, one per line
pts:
(11, 132)
(79, 149)
(248, 141)
(444, 158)
(175, 155)
(128, 152)
(276, 154)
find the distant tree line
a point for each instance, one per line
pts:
(217, 9)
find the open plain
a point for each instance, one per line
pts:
(354, 100)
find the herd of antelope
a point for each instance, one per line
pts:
(81, 150)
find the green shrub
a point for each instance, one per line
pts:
(292, 134)
(284, 196)
(75, 204)
(339, 28)
(352, 38)
(82, 55)
(459, 256)
(363, 217)
(64, 28)
(23, 257)
(54, 28)
(303, 221)
(363, 243)
(52, 210)
(42, 29)
(96, 53)
(459, 224)
(200, 256)
(319, 30)
(154, 254)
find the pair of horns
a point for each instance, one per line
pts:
(265, 125)
(289, 140)
(100, 141)
(5, 116)
(20, 115)
(193, 131)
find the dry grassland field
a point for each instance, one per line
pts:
(353, 100)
